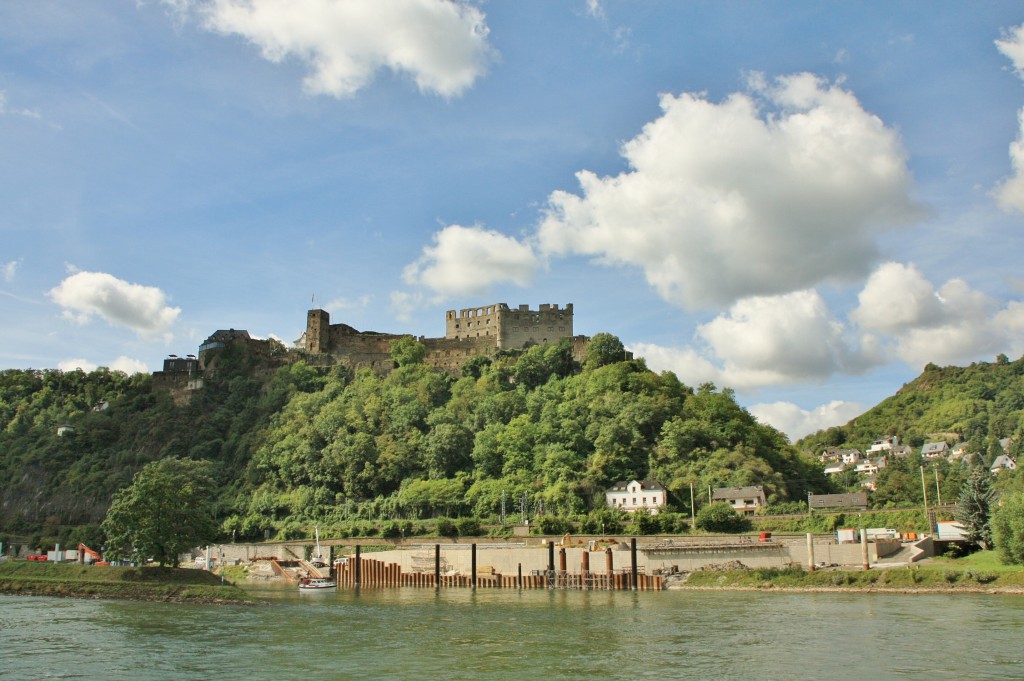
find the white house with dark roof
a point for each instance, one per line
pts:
(744, 500)
(934, 450)
(1003, 462)
(637, 495)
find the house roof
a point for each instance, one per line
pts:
(647, 484)
(934, 448)
(1003, 461)
(726, 493)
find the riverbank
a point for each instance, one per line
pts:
(938, 578)
(178, 585)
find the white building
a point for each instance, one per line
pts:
(744, 500)
(636, 495)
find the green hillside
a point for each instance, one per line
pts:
(292, 444)
(980, 404)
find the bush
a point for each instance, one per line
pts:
(645, 523)
(468, 527)
(1008, 529)
(602, 521)
(391, 530)
(447, 528)
(550, 524)
(673, 523)
(720, 517)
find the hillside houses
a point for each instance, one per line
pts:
(866, 465)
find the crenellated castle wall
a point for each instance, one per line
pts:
(470, 332)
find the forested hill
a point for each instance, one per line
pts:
(982, 404)
(295, 444)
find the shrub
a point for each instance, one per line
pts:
(447, 528)
(645, 523)
(468, 527)
(550, 524)
(1008, 529)
(720, 517)
(391, 530)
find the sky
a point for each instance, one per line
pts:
(806, 202)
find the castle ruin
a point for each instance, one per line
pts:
(468, 333)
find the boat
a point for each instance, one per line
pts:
(310, 583)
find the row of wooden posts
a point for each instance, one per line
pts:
(361, 571)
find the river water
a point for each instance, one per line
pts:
(506, 634)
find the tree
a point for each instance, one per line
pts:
(720, 517)
(1008, 529)
(407, 351)
(603, 349)
(973, 508)
(164, 512)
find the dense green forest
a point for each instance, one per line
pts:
(292, 445)
(980, 404)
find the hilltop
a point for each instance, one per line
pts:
(293, 444)
(980, 404)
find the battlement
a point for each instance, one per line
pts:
(468, 332)
(510, 328)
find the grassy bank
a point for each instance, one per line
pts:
(143, 584)
(978, 573)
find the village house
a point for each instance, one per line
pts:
(744, 500)
(637, 495)
(1003, 462)
(885, 444)
(934, 450)
(835, 469)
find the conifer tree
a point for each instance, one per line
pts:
(973, 508)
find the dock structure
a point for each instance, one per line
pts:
(359, 571)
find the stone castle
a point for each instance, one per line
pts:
(468, 332)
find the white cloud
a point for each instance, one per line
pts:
(953, 324)
(1010, 193)
(129, 365)
(10, 269)
(122, 363)
(725, 201)
(403, 304)
(468, 260)
(5, 109)
(73, 364)
(775, 340)
(1012, 47)
(796, 422)
(441, 44)
(765, 341)
(344, 304)
(142, 308)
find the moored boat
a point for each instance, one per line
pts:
(309, 583)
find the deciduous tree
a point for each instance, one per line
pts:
(164, 512)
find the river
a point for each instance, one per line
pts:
(506, 634)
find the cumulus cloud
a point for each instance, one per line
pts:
(767, 340)
(1012, 47)
(767, 192)
(468, 260)
(952, 324)
(1010, 193)
(122, 363)
(142, 308)
(796, 422)
(73, 364)
(343, 304)
(441, 44)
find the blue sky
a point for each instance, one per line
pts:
(803, 201)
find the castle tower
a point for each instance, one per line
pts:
(318, 331)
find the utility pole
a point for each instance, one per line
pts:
(924, 492)
(938, 491)
(693, 511)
